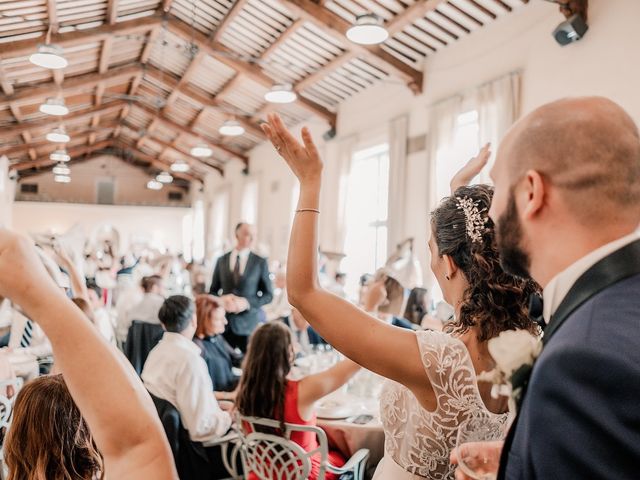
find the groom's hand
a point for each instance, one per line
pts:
(482, 457)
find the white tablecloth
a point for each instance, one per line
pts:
(348, 437)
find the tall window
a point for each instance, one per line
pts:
(250, 201)
(463, 146)
(219, 222)
(452, 157)
(366, 214)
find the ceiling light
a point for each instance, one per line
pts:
(201, 151)
(54, 106)
(231, 128)
(154, 185)
(61, 169)
(49, 56)
(368, 30)
(180, 166)
(164, 177)
(62, 178)
(58, 135)
(281, 94)
(60, 156)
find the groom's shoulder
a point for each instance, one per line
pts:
(604, 326)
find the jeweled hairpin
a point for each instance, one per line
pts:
(474, 220)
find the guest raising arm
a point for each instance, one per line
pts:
(110, 397)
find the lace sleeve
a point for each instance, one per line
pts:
(449, 369)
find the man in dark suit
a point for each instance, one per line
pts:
(566, 208)
(241, 278)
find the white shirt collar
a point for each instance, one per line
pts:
(181, 341)
(559, 286)
(243, 253)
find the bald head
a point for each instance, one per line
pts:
(586, 148)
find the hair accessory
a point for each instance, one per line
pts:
(474, 220)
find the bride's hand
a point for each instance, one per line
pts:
(472, 168)
(303, 159)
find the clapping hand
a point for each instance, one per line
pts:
(234, 304)
(303, 159)
(472, 168)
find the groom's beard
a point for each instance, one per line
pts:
(513, 258)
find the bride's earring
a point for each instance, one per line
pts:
(447, 277)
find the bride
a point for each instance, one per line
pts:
(433, 385)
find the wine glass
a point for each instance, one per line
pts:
(477, 447)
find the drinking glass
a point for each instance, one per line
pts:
(475, 458)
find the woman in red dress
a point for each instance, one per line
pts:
(266, 391)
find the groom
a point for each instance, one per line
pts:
(566, 208)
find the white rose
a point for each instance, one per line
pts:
(514, 348)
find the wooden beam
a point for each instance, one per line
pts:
(172, 146)
(229, 58)
(319, 74)
(282, 38)
(19, 48)
(150, 42)
(184, 79)
(335, 25)
(74, 85)
(231, 15)
(181, 128)
(7, 87)
(49, 121)
(411, 14)
(105, 53)
(58, 76)
(73, 152)
(174, 85)
(112, 11)
(75, 133)
(156, 162)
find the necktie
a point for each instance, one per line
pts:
(236, 272)
(536, 309)
(25, 341)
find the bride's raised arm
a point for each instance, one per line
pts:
(389, 351)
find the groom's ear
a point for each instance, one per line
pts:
(532, 195)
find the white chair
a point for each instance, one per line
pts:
(230, 460)
(270, 456)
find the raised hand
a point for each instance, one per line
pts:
(472, 168)
(486, 455)
(303, 159)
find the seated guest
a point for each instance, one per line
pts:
(216, 351)
(304, 336)
(147, 309)
(416, 307)
(176, 372)
(110, 398)
(48, 437)
(279, 308)
(266, 392)
(99, 318)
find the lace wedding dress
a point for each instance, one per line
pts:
(418, 442)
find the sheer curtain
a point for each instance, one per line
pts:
(498, 105)
(398, 204)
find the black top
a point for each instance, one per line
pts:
(220, 358)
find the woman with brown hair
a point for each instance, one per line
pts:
(47, 422)
(217, 353)
(266, 391)
(434, 385)
(109, 396)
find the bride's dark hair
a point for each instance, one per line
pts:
(494, 300)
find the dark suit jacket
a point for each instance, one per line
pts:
(220, 359)
(580, 417)
(255, 286)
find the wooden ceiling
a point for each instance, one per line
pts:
(149, 79)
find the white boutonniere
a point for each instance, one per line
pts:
(515, 352)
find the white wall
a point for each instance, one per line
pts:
(602, 63)
(161, 225)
